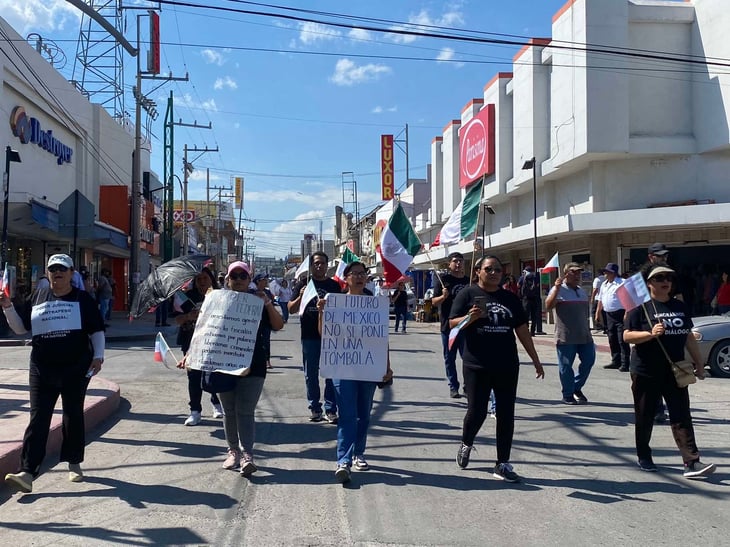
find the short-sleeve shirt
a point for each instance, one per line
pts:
(607, 295)
(309, 320)
(489, 342)
(572, 309)
(648, 359)
(401, 299)
(454, 285)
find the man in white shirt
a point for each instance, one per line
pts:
(597, 282)
(609, 302)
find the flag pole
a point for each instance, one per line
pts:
(476, 229)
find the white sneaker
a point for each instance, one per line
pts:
(194, 418)
(74, 472)
(218, 411)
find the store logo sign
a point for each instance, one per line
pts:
(28, 130)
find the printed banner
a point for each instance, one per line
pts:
(354, 338)
(387, 167)
(225, 334)
(55, 316)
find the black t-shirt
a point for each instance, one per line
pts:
(454, 285)
(401, 299)
(490, 341)
(185, 331)
(309, 319)
(648, 359)
(262, 348)
(65, 348)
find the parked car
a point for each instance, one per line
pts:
(712, 333)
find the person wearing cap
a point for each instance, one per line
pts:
(572, 332)
(609, 302)
(67, 350)
(202, 283)
(443, 296)
(661, 330)
(312, 340)
(261, 283)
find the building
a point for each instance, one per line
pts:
(630, 139)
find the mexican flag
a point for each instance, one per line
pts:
(398, 245)
(347, 257)
(463, 221)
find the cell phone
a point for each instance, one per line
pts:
(481, 301)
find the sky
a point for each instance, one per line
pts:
(295, 104)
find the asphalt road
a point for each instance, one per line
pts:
(152, 481)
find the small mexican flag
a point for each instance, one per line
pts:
(163, 353)
(398, 245)
(463, 221)
(347, 257)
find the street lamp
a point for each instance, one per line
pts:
(532, 164)
(10, 155)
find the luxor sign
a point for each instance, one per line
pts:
(476, 147)
(28, 130)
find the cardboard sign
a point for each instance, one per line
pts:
(225, 333)
(354, 338)
(55, 316)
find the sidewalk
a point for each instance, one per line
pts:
(102, 398)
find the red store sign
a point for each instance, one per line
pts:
(476, 147)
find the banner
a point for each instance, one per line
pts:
(238, 192)
(354, 338)
(153, 56)
(225, 333)
(476, 147)
(386, 167)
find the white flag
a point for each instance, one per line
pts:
(303, 268)
(309, 293)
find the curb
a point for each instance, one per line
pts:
(102, 400)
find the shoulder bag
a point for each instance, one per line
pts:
(684, 370)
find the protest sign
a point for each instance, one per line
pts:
(55, 316)
(354, 337)
(225, 333)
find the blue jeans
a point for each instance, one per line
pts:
(355, 401)
(284, 310)
(400, 313)
(450, 359)
(570, 381)
(104, 307)
(310, 358)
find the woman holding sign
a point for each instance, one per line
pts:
(489, 317)
(68, 349)
(354, 397)
(240, 403)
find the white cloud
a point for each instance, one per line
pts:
(188, 101)
(359, 34)
(379, 109)
(450, 18)
(447, 54)
(310, 33)
(227, 81)
(212, 57)
(39, 15)
(348, 73)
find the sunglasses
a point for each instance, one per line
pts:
(662, 278)
(236, 276)
(55, 268)
(358, 274)
(489, 269)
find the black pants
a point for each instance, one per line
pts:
(196, 392)
(648, 391)
(477, 384)
(620, 350)
(46, 384)
(533, 309)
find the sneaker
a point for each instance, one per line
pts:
(454, 394)
(23, 481)
(623, 369)
(693, 470)
(569, 401)
(505, 472)
(233, 460)
(331, 417)
(74, 472)
(248, 468)
(342, 474)
(612, 365)
(360, 464)
(218, 411)
(493, 415)
(578, 396)
(315, 416)
(648, 465)
(462, 456)
(193, 419)
(660, 417)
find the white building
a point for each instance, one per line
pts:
(631, 147)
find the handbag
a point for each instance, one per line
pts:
(684, 372)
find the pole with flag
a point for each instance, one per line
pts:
(347, 257)
(464, 220)
(553, 265)
(163, 353)
(303, 268)
(309, 293)
(399, 244)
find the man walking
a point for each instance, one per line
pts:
(443, 296)
(311, 339)
(532, 301)
(609, 302)
(572, 332)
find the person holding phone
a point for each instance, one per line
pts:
(490, 359)
(67, 350)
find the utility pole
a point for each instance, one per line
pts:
(219, 243)
(188, 169)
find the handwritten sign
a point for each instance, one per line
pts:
(354, 337)
(225, 334)
(55, 316)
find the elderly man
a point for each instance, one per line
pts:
(609, 302)
(572, 332)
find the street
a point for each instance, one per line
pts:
(152, 481)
